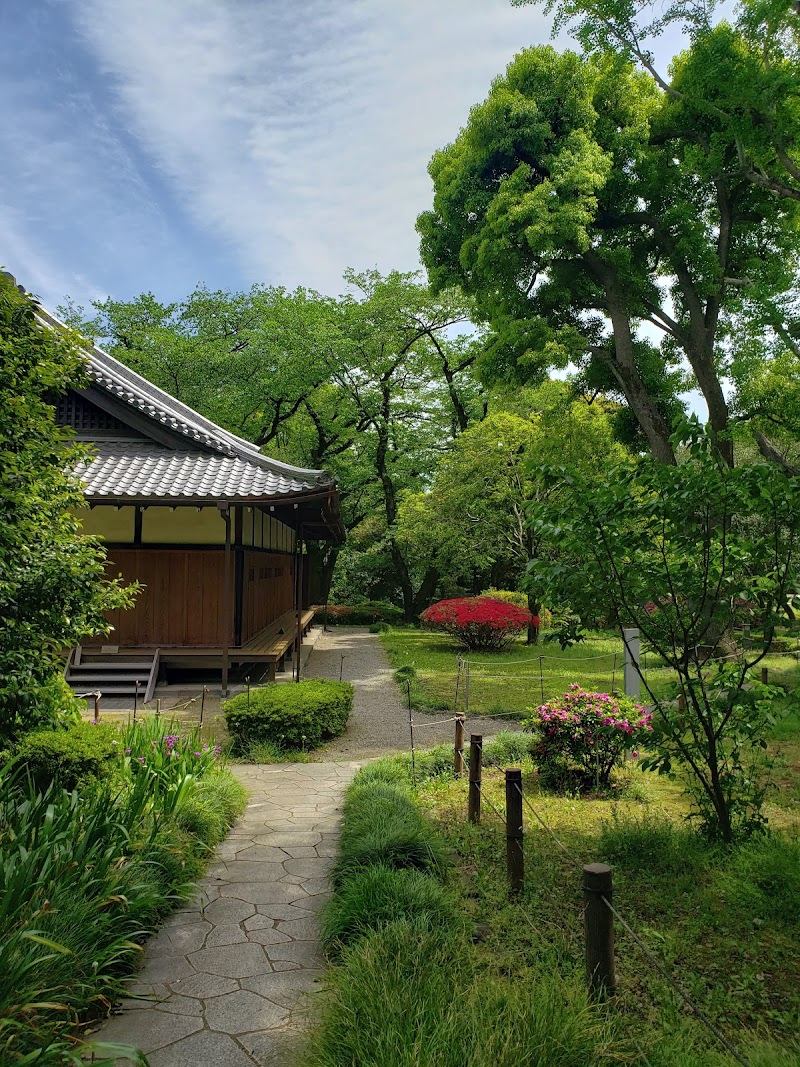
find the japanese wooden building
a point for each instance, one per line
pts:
(213, 530)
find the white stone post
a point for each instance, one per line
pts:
(631, 639)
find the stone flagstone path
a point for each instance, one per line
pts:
(230, 973)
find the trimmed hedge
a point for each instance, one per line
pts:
(71, 758)
(298, 715)
(358, 614)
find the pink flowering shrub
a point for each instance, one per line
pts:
(479, 622)
(588, 733)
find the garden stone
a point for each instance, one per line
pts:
(244, 1011)
(207, 1047)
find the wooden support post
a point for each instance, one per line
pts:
(475, 761)
(681, 702)
(515, 857)
(598, 925)
(97, 696)
(765, 675)
(458, 749)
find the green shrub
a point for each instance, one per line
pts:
(301, 715)
(382, 825)
(506, 748)
(217, 799)
(83, 879)
(520, 600)
(71, 758)
(376, 896)
(380, 628)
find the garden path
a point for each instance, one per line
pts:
(379, 721)
(230, 972)
(228, 976)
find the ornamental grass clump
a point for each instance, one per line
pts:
(478, 623)
(585, 734)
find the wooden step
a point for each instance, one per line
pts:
(108, 676)
(110, 664)
(115, 690)
(112, 674)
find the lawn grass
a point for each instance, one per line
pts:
(525, 675)
(511, 684)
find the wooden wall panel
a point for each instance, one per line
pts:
(268, 590)
(181, 604)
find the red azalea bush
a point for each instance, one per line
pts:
(478, 622)
(587, 732)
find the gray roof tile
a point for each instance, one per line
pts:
(144, 469)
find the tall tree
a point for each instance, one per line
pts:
(589, 210)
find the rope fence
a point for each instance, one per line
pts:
(599, 911)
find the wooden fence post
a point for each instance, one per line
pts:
(598, 925)
(97, 696)
(475, 760)
(765, 675)
(515, 857)
(458, 750)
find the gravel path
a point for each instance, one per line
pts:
(379, 722)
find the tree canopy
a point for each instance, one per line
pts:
(372, 385)
(603, 217)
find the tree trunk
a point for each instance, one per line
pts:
(426, 590)
(623, 362)
(534, 607)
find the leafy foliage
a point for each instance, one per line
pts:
(290, 716)
(585, 200)
(84, 877)
(481, 622)
(373, 898)
(695, 541)
(358, 614)
(52, 587)
(384, 826)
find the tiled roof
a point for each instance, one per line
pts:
(146, 470)
(214, 462)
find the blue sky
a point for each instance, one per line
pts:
(155, 144)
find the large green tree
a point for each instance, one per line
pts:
(600, 217)
(473, 522)
(52, 587)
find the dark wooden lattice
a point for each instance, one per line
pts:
(85, 417)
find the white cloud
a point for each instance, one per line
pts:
(300, 134)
